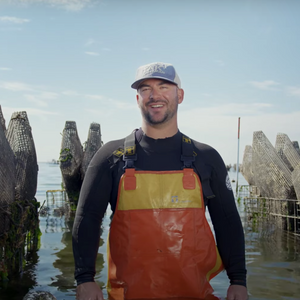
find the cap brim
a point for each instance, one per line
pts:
(137, 83)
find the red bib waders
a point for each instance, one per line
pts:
(160, 244)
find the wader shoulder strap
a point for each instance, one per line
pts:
(130, 156)
(187, 152)
(129, 144)
(190, 160)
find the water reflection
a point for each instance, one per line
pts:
(64, 262)
(272, 257)
(18, 285)
(60, 219)
(64, 281)
(273, 262)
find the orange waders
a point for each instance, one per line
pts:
(160, 244)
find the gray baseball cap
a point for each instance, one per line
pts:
(157, 70)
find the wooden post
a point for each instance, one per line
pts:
(237, 163)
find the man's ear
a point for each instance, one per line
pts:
(137, 98)
(180, 95)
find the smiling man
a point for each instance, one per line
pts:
(159, 183)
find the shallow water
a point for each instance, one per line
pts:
(273, 260)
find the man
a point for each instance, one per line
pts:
(160, 244)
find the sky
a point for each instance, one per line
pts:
(75, 60)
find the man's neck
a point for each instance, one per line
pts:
(159, 132)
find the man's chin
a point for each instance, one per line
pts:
(157, 122)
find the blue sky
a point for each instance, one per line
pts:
(75, 60)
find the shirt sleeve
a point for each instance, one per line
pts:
(93, 200)
(226, 222)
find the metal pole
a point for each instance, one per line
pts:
(237, 164)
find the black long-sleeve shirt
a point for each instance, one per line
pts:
(100, 187)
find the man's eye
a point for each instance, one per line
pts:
(145, 89)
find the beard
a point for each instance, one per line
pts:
(168, 115)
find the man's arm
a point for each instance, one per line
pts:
(228, 228)
(227, 225)
(93, 200)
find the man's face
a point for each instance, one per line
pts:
(158, 100)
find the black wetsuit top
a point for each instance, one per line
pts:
(100, 187)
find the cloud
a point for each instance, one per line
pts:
(5, 69)
(95, 97)
(265, 85)
(92, 53)
(230, 109)
(145, 49)
(48, 95)
(36, 100)
(34, 94)
(70, 93)
(115, 104)
(124, 106)
(15, 20)
(40, 112)
(293, 91)
(40, 99)
(70, 5)
(16, 86)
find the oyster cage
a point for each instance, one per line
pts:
(282, 213)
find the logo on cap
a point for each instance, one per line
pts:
(151, 69)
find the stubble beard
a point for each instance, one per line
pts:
(169, 114)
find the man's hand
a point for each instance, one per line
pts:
(237, 292)
(89, 291)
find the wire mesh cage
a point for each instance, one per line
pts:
(247, 165)
(287, 151)
(56, 212)
(7, 180)
(2, 120)
(71, 155)
(272, 176)
(296, 181)
(296, 146)
(284, 213)
(21, 142)
(92, 145)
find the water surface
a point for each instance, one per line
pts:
(272, 255)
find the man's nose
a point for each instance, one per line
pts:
(155, 94)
